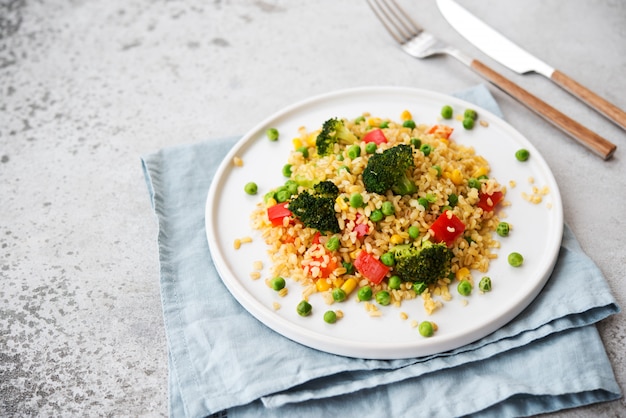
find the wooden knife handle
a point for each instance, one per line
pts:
(608, 109)
(583, 135)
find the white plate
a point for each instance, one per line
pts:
(536, 235)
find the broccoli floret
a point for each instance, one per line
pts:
(388, 171)
(327, 189)
(333, 131)
(427, 263)
(317, 210)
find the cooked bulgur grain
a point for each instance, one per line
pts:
(298, 252)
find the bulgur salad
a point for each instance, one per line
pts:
(380, 212)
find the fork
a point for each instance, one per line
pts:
(419, 43)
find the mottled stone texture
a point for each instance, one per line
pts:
(86, 87)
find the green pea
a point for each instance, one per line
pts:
(503, 229)
(426, 329)
(394, 282)
(471, 114)
(304, 308)
(340, 157)
(277, 283)
(343, 168)
(333, 243)
(330, 317)
(339, 295)
(431, 198)
(370, 147)
(348, 266)
(359, 120)
(251, 188)
(446, 112)
(354, 151)
(291, 186)
(388, 259)
(287, 170)
(408, 124)
(414, 232)
(272, 134)
(388, 208)
(515, 259)
(419, 287)
(522, 154)
(356, 200)
(384, 124)
(282, 195)
(304, 150)
(422, 201)
(416, 143)
(438, 170)
(484, 285)
(464, 288)
(474, 183)
(377, 215)
(453, 199)
(268, 196)
(468, 123)
(383, 297)
(426, 149)
(364, 293)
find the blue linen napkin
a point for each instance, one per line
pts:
(223, 361)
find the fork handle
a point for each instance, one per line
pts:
(583, 135)
(608, 109)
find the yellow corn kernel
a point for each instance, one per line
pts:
(463, 273)
(396, 239)
(297, 143)
(237, 161)
(322, 285)
(349, 285)
(270, 202)
(338, 282)
(482, 171)
(311, 139)
(342, 203)
(373, 122)
(406, 115)
(455, 176)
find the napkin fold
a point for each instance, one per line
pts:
(223, 361)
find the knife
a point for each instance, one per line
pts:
(507, 53)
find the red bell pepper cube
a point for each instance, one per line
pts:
(375, 135)
(277, 213)
(370, 267)
(361, 230)
(447, 228)
(488, 202)
(442, 131)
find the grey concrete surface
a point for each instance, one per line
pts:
(86, 87)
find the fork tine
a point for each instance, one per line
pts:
(399, 25)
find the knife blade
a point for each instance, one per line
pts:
(507, 53)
